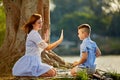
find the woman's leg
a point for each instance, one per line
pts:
(50, 73)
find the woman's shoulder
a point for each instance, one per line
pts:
(33, 33)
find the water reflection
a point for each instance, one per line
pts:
(106, 63)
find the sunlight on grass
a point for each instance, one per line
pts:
(82, 75)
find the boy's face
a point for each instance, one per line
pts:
(81, 34)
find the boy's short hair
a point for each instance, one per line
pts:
(86, 27)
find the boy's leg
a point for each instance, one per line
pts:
(74, 71)
(90, 71)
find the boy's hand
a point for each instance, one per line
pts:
(75, 63)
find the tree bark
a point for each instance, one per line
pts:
(17, 13)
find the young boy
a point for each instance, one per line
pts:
(88, 51)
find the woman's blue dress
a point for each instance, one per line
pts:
(31, 64)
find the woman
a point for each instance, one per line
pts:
(31, 64)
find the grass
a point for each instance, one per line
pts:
(82, 75)
(114, 75)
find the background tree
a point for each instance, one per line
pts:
(2, 22)
(17, 13)
(102, 15)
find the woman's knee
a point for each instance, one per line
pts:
(50, 73)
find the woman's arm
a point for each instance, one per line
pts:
(56, 43)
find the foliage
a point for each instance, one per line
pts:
(113, 75)
(73, 21)
(2, 23)
(109, 45)
(71, 14)
(114, 29)
(82, 75)
(68, 14)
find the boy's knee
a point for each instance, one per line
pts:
(53, 73)
(73, 72)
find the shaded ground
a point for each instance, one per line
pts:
(64, 74)
(61, 74)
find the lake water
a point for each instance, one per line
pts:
(106, 63)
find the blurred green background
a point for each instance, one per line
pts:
(2, 23)
(102, 15)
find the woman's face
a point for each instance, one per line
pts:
(38, 24)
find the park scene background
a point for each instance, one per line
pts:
(103, 17)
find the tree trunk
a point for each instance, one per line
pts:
(17, 13)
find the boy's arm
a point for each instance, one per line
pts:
(82, 60)
(98, 52)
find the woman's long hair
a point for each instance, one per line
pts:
(29, 25)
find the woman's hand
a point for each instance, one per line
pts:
(56, 43)
(61, 36)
